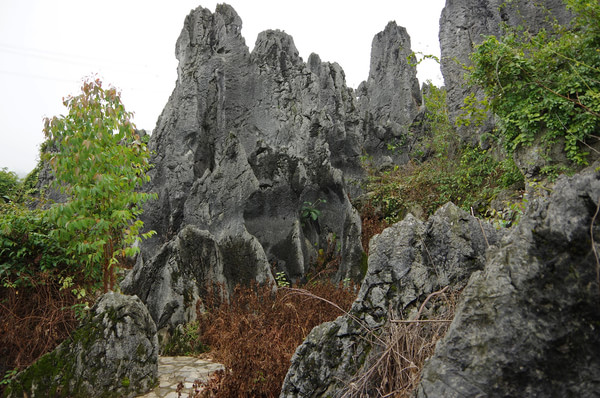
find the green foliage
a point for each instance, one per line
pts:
(473, 112)
(467, 176)
(510, 215)
(438, 121)
(29, 183)
(8, 376)
(417, 57)
(26, 247)
(281, 279)
(546, 85)
(100, 162)
(184, 341)
(9, 185)
(16, 190)
(309, 210)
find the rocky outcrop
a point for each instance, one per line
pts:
(407, 262)
(255, 157)
(113, 353)
(390, 99)
(527, 324)
(464, 24)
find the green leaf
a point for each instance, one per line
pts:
(94, 164)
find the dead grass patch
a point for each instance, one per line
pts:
(256, 332)
(402, 348)
(33, 321)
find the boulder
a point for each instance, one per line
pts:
(114, 353)
(526, 325)
(407, 262)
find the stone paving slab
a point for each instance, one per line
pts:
(172, 370)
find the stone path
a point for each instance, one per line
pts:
(172, 370)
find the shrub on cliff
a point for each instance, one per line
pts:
(468, 176)
(546, 85)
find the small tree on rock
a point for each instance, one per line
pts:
(100, 162)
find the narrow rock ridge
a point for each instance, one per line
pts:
(390, 99)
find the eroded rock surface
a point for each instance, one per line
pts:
(407, 262)
(390, 99)
(113, 353)
(255, 157)
(527, 325)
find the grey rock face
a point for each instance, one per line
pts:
(407, 262)
(114, 353)
(464, 24)
(245, 143)
(527, 324)
(530, 159)
(390, 99)
(172, 280)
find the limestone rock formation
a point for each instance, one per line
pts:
(407, 262)
(113, 353)
(527, 324)
(465, 23)
(390, 99)
(249, 148)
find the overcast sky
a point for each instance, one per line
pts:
(47, 47)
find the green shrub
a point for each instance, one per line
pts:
(26, 247)
(545, 85)
(184, 341)
(100, 162)
(465, 175)
(9, 185)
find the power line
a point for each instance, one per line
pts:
(127, 89)
(61, 57)
(29, 75)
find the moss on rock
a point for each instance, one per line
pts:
(114, 353)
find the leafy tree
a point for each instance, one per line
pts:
(100, 162)
(9, 184)
(546, 85)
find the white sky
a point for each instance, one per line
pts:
(47, 47)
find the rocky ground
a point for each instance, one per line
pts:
(180, 374)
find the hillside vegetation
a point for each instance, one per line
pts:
(55, 259)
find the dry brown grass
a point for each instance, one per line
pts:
(373, 223)
(402, 348)
(33, 321)
(255, 334)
